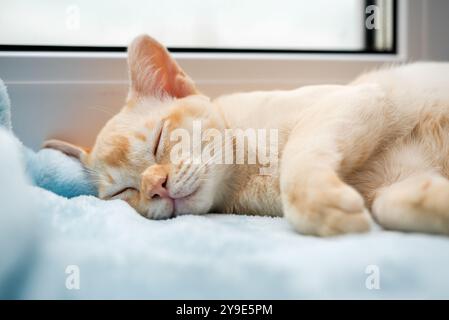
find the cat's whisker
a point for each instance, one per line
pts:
(186, 170)
(90, 172)
(102, 109)
(94, 177)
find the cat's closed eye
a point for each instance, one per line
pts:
(158, 136)
(121, 193)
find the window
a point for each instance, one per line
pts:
(198, 25)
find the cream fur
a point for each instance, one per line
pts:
(379, 144)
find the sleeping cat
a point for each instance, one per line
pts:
(375, 148)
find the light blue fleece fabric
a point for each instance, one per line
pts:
(46, 239)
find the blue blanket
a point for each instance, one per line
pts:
(83, 247)
(49, 169)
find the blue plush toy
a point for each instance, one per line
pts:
(49, 169)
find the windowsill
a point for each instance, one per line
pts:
(103, 67)
(70, 95)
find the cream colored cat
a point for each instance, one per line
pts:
(379, 144)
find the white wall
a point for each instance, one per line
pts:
(428, 30)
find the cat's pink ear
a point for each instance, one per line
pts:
(153, 72)
(67, 148)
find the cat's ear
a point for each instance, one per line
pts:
(153, 72)
(67, 148)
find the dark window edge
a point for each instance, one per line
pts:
(29, 48)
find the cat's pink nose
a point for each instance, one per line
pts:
(159, 188)
(153, 182)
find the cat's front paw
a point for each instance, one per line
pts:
(325, 206)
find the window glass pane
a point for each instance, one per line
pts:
(243, 24)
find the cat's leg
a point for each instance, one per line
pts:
(417, 203)
(318, 153)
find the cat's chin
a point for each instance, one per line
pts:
(165, 209)
(191, 204)
(184, 205)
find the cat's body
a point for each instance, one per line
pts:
(416, 95)
(249, 191)
(380, 143)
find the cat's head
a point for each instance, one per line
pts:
(132, 158)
